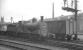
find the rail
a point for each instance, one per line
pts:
(50, 44)
(24, 45)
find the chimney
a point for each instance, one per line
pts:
(42, 18)
(20, 22)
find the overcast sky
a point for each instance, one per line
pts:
(32, 8)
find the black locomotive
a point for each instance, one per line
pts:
(42, 30)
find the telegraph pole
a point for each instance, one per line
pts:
(76, 14)
(76, 19)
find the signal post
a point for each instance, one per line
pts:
(74, 10)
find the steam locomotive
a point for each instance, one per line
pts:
(50, 29)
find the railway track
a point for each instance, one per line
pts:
(8, 47)
(70, 45)
(78, 41)
(21, 46)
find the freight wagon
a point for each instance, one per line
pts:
(59, 28)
